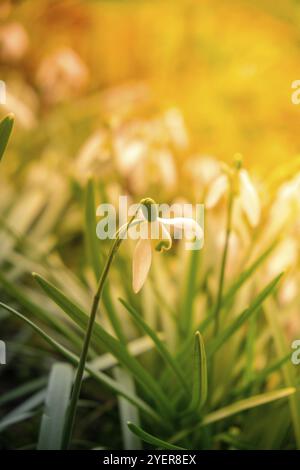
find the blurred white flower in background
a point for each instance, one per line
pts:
(14, 42)
(288, 290)
(245, 193)
(62, 75)
(94, 157)
(284, 256)
(176, 127)
(143, 155)
(286, 208)
(22, 100)
(201, 171)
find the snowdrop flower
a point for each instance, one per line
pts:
(14, 42)
(286, 208)
(153, 228)
(62, 75)
(245, 193)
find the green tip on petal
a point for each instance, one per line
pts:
(149, 209)
(163, 245)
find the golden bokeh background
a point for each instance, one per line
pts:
(227, 65)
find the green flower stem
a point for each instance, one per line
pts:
(70, 417)
(223, 264)
(222, 277)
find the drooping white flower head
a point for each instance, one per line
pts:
(154, 230)
(246, 195)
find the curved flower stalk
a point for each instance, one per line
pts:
(154, 233)
(246, 197)
(70, 418)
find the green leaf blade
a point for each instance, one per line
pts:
(6, 126)
(56, 405)
(150, 439)
(200, 374)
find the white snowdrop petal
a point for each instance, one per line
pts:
(249, 198)
(216, 191)
(189, 225)
(142, 257)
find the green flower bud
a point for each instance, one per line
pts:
(149, 209)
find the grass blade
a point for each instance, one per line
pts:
(38, 311)
(127, 412)
(245, 275)
(114, 346)
(271, 313)
(238, 407)
(247, 404)
(200, 374)
(190, 289)
(6, 126)
(23, 411)
(23, 390)
(92, 242)
(161, 348)
(93, 254)
(236, 324)
(9, 421)
(99, 376)
(57, 400)
(155, 441)
(227, 298)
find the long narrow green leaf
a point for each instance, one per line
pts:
(186, 314)
(93, 252)
(250, 349)
(57, 400)
(6, 126)
(9, 421)
(200, 374)
(112, 344)
(271, 313)
(259, 377)
(92, 243)
(228, 297)
(127, 412)
(236, 285)
(24, 410)
(40, 312)
(155, 441)
(22, 390)
(238, 407)
(240, 320)
(245, 275)
(29, 404)
(161, 348)
(99, 376)
(247, 404)
(235, 442)
(115, 347)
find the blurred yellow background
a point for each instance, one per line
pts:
(227, 65)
